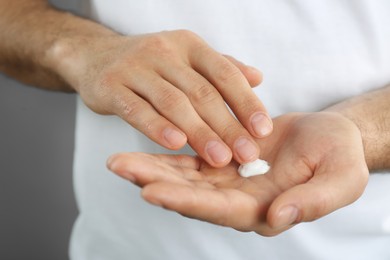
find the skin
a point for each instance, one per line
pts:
(319, 161)
(163, 84)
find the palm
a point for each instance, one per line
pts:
(310, 156)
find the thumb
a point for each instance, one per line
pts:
(323, 194)
(253, 75)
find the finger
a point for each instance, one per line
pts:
(227, 207)
(235, 90)
(143, 169)
(211, 107)
(141, 115)
(180, 160)
(174, 105)
(331, 188)
(253, 75)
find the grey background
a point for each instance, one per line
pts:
(36, 149)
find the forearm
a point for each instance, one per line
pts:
(32, 36)
(371, 113)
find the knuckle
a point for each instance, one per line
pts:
(198, 134)
(203, 94)
(127, 109)
(187, 34)
(229, 131)
(157, 44)
(170, 100)
(98, 96)
(191, 39)
(248, 105)
(227, 71)
(106, 81)
(148, 127)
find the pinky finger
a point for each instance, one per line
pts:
(252, 75)
(141, 115)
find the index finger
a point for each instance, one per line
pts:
(234, 88)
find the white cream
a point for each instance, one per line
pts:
(256, 167)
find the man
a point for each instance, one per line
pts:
(172, 86)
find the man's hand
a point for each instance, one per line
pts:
(317, 166)
(172, 87)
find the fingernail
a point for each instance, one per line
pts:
(131, 178)
(217, 152)
(253, 69)
(174, 138)
(261, 124)
(110, 161)
(245, 149)
(287, 216)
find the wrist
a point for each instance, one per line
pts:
(67, 55)
(369, 132)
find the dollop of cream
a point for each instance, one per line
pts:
(254, 168)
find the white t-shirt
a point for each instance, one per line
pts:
(312, 54)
